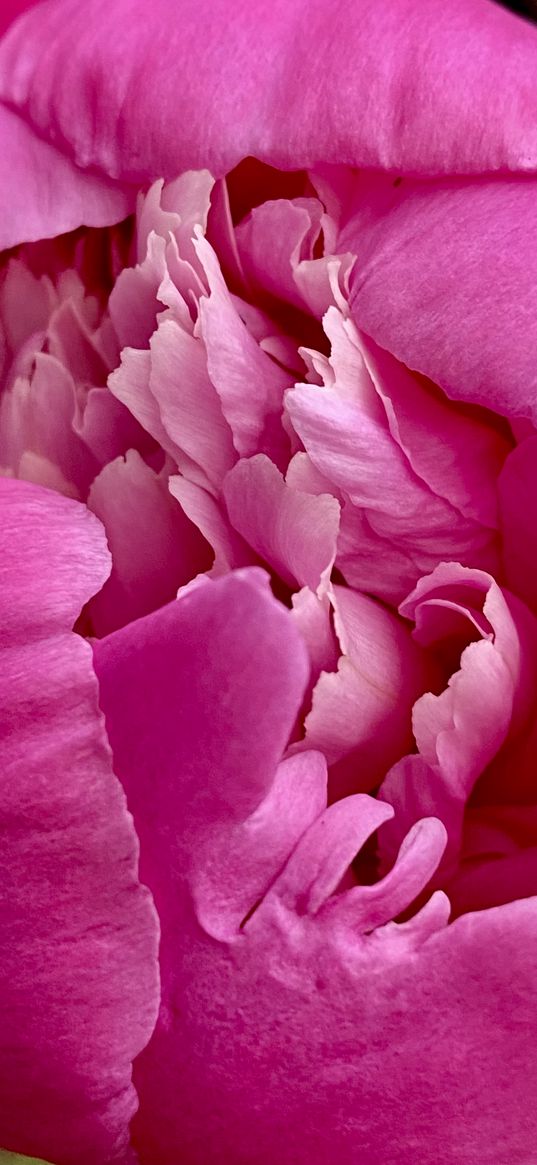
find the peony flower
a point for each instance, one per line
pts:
(268, 560)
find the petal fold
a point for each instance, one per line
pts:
(78, 932)
(465, 57)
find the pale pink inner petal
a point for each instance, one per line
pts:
(361, 713)
(276, 520)
(155, 547)
(488, 699)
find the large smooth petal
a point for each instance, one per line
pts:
(406, 85)
(78, 932)
(444, 281)
(11, 9)
(228, 671)
(296, 1035)
(253, 1003)
(354, 1048)
(43, 194)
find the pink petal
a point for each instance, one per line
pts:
(133, 302)
(273, 240)
(230, 550)
(375, 905)
(168, 271)
(362, 711)
(155, 548)
(252, 1016)
(441, 67)
(300, 1025)
(52, 194)
(455, 452)
(188, 402)
(373, 452)
(231, 637)
(488, 699)
(250, 385)
(455, 259)
(11, 9)
(242, 864)
(227, 674)
(37, 417)
(317, 1043)
(276, 520)
(79, 935)
(177, 208)
(107, 428)
(377, 565)
(312, 616)
(131, 384)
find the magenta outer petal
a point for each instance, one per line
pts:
(11, 9)
(43, 194)
(298, 1037)
(144, 91)
(446, 279)
(213, 683)
(78, 973)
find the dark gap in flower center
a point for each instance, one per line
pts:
(252, 182)
(527, 8)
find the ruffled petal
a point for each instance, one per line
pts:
(361, 712)
(488, 701)
(276, 520)
(418, 483)
(78, 932)
(188, 403)
(155, 548)
(249, 383)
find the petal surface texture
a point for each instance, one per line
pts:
(301, 1033)
(444, 263)
(53, 195)
(79, 982)
(364, 107)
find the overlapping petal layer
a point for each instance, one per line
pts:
(264, 342)
(265, 62)
(489, 700)
(52, 193)
(78, 931)
(445, 281)
(324, 1041)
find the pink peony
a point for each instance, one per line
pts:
(267, 462)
